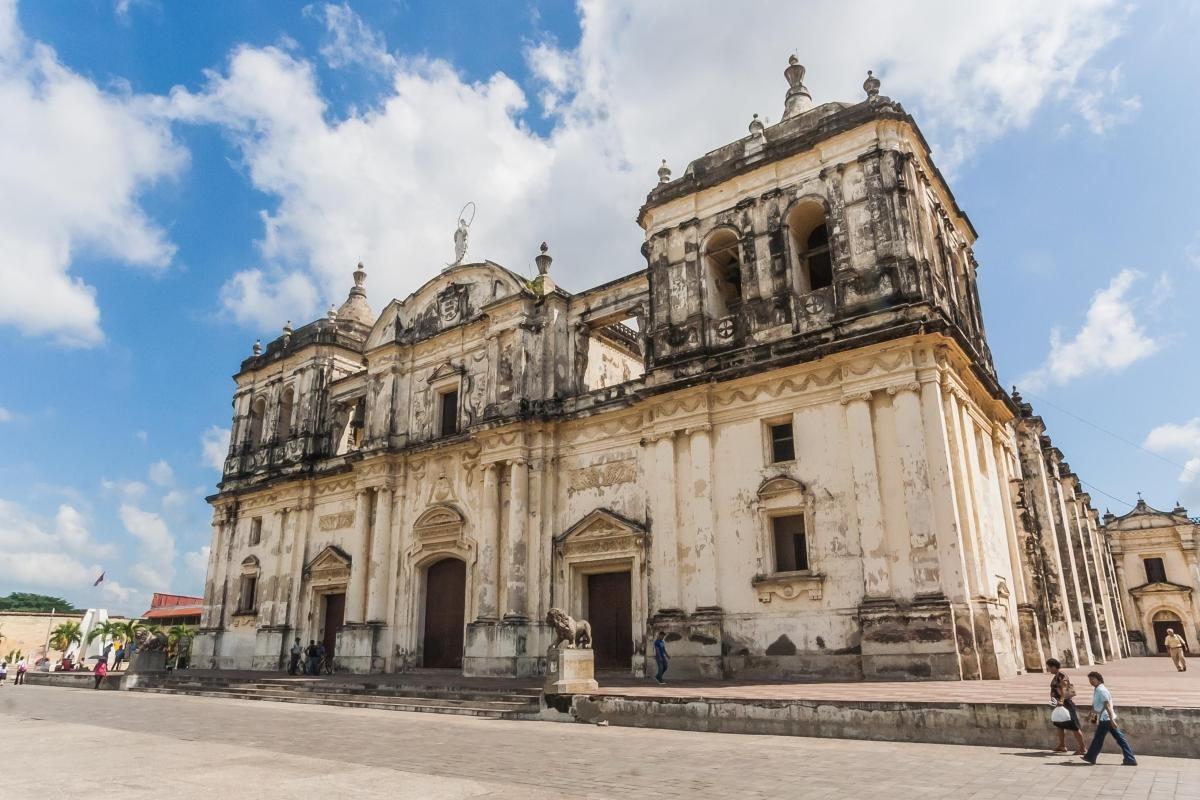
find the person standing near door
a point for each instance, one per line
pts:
(660, 656)
(1177, 647)
(297, 651)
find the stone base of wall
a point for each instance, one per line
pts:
(918, 640)
(504, 649)
(269, 647)
(1153, 731)
(358, 648)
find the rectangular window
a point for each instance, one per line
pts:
(783, 444)
(791, 549)
(247, 601)
(255, 531)
(449, 413)
(1155, 571)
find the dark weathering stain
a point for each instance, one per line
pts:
(701, 638)
(782, 647)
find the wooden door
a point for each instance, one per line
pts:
(335, 617)
(610, 612)
(445, 609)
(1160, 634)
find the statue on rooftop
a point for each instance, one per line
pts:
(462, 234)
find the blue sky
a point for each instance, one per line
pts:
(177, 180)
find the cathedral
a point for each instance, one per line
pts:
(782, 443)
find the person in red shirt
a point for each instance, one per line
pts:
(101, 670)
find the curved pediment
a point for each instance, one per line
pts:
(449, 299)
(442, 516)
(773, 487)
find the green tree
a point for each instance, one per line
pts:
(179, 638)
(65, 635)
(26, 601)
(126, 630)
(109, 629)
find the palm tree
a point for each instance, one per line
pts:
(104, 630)
(65, 635)
(180, 639)
(127, 631)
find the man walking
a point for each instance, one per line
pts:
(1062, 693)
(1105, 717)
(1177, 647)
(660, 656)
(297, 651)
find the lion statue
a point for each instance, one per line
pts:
(150, 641)
(575, 633)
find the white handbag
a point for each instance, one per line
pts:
(1060, 714)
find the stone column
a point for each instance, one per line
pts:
(664, 535)
(918, 510)
(381, 539)
(516, 551)
(869, 507)
(211, 610)
(296, 579)
(965, 488)
(700, 496)
(356, 591)
(486, 582)
(942, 495)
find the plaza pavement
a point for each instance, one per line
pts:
(136, 746)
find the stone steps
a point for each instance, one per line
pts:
(494, 705)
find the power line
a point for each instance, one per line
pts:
(1106, 494)
(1105, 431)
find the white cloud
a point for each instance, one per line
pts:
(1192, 251)
(141, 436)
(86, 154)
(351, 41)
(1110, 340)
(1099, 106)
(128, 490)
(1181, 440)
(161, 473)
(383, 185)
(196, 562)
(156, 554)
(174, 500)
(5, 415)
(214, 446)
(34, 553)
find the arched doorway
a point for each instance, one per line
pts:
(1162, 621)
(445, 613)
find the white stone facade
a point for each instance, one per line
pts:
(795, 459)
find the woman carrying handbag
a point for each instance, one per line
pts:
(1064, 716)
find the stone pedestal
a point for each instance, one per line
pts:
(358, 648)
(145, 663)
(269, 647)
(693, 642)
(205, 646)
(570, 671)
(503, 649)
(917, 640)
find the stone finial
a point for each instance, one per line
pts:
(543, 259)
(757, 127)
(797, 100)
(332, 314)
(871, 85)
(664, 173)
(360, 275)
(257, 349)
(287, 328)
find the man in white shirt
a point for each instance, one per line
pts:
(1177, 647)
(1105, 717)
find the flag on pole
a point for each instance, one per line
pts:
(97, 583)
